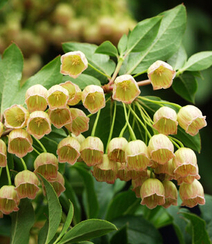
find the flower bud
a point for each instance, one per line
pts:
(68, 150)
(170, 193)
(57, 97)
(60, 116)
(190, 118)
(105, 171)
(74, 91)
(125, 89)
(165, 121)
(1, 128)
(161, 149)
(16, 117)
(58, 184)
(38, 124)
(161, 75)
(3, 154)
(137, 156)
(92, 150)
(47, 165)
(19, 143)
(80, 122)
(8, 199)
(116, 149)
(93, 98)
(26, 183)
(73, 63)
(35, 98)
(191, 194)
(152, 193)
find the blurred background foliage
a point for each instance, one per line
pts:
(39, 27)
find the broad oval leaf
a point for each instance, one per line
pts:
(107, 48)
(22, 222)
(178, 60)
(122, 44)
(87, 230)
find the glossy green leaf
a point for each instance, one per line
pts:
(87, 230)
(107, 48)
(100, 62)
(122, 44)
(92, 207)
(198, 61)
(54, 210)
(198, 225)
(120, 236)
(178, 60)
(122, 204)
(139, 230)
(186, 86)
(42, 235)
(48, 76)
(22, 222)
(11, 66)
(142, 36)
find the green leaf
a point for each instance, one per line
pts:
(107, 48)
(92, 207)
(42, 235)
(178, 59)
(141, 37)
(139, 230)
(165, 44)
(2, 3)
(11, 66)
(120, 236)
(186, 86)
(83, 80)
(87, 230)
(48, 76)
(199, 233)
(101, 62)
(22, 222)
(54, 209)
(122, 44)
(122, 204)
(198, 61)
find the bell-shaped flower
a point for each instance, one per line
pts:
(19, 142)
(125, 174)
(191, 194)
(105, 171)
(152, 193)
(160, 148)
(68, 150)
(36, 98)
(92, 150)
(137, 156)
(73, 63)
(1, 128)
(26, 183)
(187, 179)
(93, 98)
(167, 169)
(38, 124)
(125, 89)
(165, 121)
(9, 199)
(47, 165)
(16, 117)
(58, 184)
(80, 122)
(171, 193)
(60, 116)
(116, 149)
(74, 91)
(161, 75)
(3, 154)
(190, 118)
(57, 97)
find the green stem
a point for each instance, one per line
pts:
(95, 123)
(112, 126)
(41, 145)
(36, 151)
(45, 137)
(8, 175)
(176, 142)
(144, 114)
(123, 130)
(98, 71)
(0, 171)
(118, 67)
(132, 134)
(24, 164)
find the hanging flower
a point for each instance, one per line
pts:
(3, 154)
(116, 149)
(170, 193)
(74, 91)
(57, 97)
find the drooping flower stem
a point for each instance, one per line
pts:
(144, 115)
(8, 175)
(118, 67)
(176, 142)
(36, 150)
(112, 125)
(41, 145)
(24, 164)
(97, 70)
(132, 134)
(144, 82)
(95, 123)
